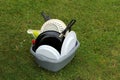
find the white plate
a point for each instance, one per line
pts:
(47, 51)
(53, 24)
(68, 43)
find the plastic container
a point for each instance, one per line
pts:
(55, 65)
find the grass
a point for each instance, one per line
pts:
(97, 29)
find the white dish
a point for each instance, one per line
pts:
(68, 43)
(47, 51)
(53, 24)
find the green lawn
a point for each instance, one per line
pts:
(97, 29)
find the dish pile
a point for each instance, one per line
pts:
(55, 44)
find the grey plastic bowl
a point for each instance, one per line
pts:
(55, 65)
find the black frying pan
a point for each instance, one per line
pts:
(52, 38)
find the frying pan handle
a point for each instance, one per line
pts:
(71, 24)
(46, 18)
(68, 27)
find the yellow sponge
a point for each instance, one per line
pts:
(35, 33)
